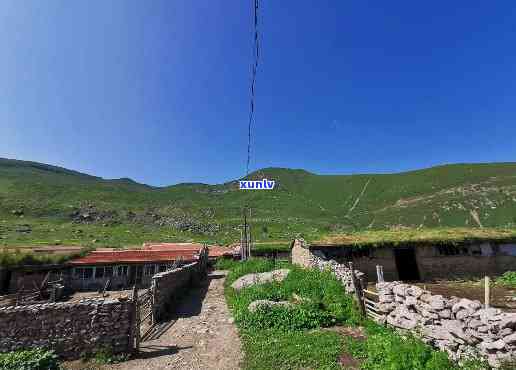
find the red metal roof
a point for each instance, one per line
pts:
(134, 256)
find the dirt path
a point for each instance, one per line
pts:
(201, 336)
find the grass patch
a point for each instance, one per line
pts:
(19, 258)
(271, 247)
(278, 349)
(294, 338)
(452, 236)
(31, 359)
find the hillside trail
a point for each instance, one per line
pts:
(201, 334)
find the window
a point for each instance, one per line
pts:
(99, 272)
(78, 272)
(88, 273)
(122, 271)
(139, 271)
(452, 250)
(149, 270)
(108, 271)
(162, 268)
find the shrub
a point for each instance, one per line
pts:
(507, 279)
(31, 359)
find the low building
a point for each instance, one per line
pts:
(421, 260)
(121, 269)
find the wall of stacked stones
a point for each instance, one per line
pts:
(167, 287)
(72, 329)
(459, 326)
(303, 256)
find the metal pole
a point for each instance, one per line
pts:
(487, 291)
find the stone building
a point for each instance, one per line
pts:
(420, 260)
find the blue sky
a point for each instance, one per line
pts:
(158, 90)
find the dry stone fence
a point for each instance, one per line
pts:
(76, 329)
(459, 326)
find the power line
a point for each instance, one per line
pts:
(254, 69)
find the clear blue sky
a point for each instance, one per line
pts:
(158, 90)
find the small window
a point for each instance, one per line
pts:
(88, 273)
(122, 270)
(108, 271)
(99, 272)
(452, 250)
(139, 271)
(78, 272)
(162, 268)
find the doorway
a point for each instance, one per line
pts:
(406, 264)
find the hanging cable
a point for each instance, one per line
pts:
(254, 70)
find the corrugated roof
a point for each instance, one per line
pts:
(134, 256)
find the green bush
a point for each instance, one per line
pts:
(32, 359)
(507, 279)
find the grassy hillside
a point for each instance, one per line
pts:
(42, 204)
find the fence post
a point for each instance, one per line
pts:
(487, 292)
(358, 290)
(379, 273)
(136, 320)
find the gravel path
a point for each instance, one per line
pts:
(201, 336)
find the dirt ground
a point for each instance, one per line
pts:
(201, 335)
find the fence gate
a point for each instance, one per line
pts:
(371, 304)
(144, 314)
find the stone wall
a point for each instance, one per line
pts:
(72, 329)
(461, 327)
(167, 287)
(303, 256)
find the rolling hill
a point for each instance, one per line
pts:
(44, 204)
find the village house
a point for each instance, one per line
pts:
(421, 260)
(109, 267)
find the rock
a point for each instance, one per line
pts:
(445, 314)
(487, 314)
(467, 304)
(260, 278)
(410, 301)
(493, 346)
(461, 314)
(386, 298)
(437, 302)
(415, 291)
(475, 323)
(400, 289)
(263, 303)
(510, 339)
(508, 321)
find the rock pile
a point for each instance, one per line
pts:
(461, 327)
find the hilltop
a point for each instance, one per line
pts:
(43, 204)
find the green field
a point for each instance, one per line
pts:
(42, 204)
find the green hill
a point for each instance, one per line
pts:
(43, 204)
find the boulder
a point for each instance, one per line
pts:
(437, 302)
(466, 304)
(260, 278)
(510, 339)
(263, 303)
(415, 291)
(492, 346)
(508, 321)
